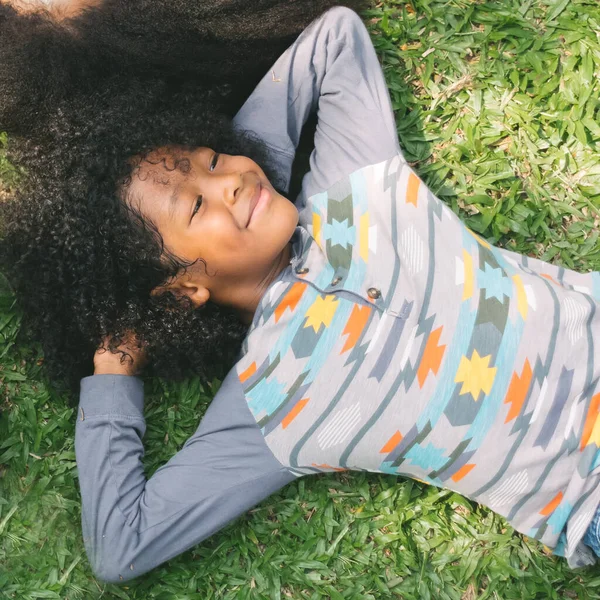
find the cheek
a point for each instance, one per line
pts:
(287, 216)
(216, 235)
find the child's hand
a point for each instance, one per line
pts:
(129, 358)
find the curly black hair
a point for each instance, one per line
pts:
(82, 263)
(223, 44)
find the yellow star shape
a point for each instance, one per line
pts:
(321, 312)
(475, 375)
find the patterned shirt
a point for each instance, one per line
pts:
(406, 344)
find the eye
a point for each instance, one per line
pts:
(214, 161)
(196, 206)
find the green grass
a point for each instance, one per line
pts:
(497, 106)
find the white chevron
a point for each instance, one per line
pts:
(540, 401)
(577, 528)
(572, 414)
(575, 315)
(377, 333)
(409, 346)
(531, 301)
(412, 248)
(339, 427)
(273, 290)
(510, 489)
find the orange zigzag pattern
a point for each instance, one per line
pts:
(552, 505)
(290, 300)
(463, 472)
(412, 190)
(590, 420)
(391, 443)
(294, 412)
(248, 372)
(432, 356)
(517, 391)
(356, 323)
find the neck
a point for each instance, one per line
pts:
(247, 311)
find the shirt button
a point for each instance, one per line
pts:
(336, 280)
(373, 293)
(302, 270)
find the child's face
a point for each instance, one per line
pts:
(221, 210)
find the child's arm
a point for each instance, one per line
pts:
(331, 68)
(131, 524)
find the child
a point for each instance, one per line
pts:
(384, 335)
(395, 340)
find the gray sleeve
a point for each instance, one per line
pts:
(131, 524)
(331, 68)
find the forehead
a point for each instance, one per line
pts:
(157, 179)
(163, 166)
(161, 171)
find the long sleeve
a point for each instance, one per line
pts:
(131, 524)
(332, 69)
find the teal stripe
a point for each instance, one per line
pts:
(492, 404)
(284, 341)
(358, 268)
(407, 374)
(596, 285)
(537, 375)
(329, 338)
(454, 353)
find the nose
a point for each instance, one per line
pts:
(230, 184)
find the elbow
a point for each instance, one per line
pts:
(111, 565)
(109, 572)
(113, 549)
(106, 576)
(344, 18)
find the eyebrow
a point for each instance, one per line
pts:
(173, 200)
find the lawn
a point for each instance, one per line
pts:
(498, 108)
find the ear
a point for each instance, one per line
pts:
(197, 293)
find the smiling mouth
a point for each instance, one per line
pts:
(254, 202)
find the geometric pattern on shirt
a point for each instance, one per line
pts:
(474, 369)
